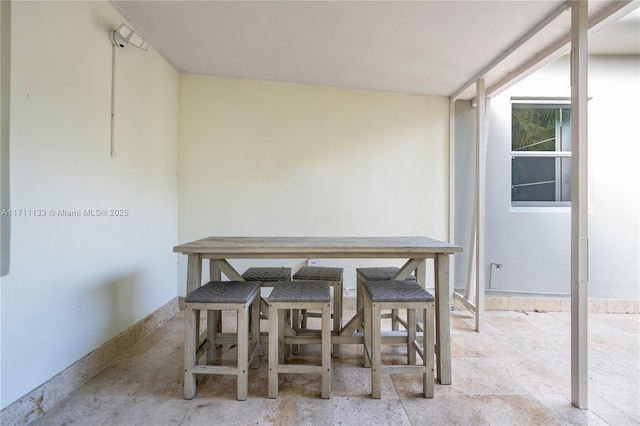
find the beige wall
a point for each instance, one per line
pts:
(255, 158)
(76, 282)
(266, 158)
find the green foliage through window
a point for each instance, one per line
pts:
(534, 128)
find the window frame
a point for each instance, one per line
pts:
(561, 103)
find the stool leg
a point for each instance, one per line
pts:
(264, 309)
(197, 325)
(190, 348)
(337, 314)
(395, 325)
(428, 350)
(218, 316)
(274, 345)
(411, 336)
(296, 323)
(242, 350)
(255, 332)
(326, 350)
(212, 331)
(359, 298)
(376, 355)
(280, 322)
(367, 332)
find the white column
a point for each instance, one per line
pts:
(481, 149)
(579, 218)
(452, 193)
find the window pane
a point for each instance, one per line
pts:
(533, 127)
(533, 179)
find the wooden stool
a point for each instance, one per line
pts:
(399, 295)
(378, 273)
(214, 296)
(333, 276)
(299, 295)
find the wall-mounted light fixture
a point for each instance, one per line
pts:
(124, 36)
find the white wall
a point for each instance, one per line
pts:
(265, 158)
(76, 282)
(533, 244)
(614, 198)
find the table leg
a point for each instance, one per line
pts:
(214, 272)
(421, 274)
(194, 272)
(194, 281)
(443, 343)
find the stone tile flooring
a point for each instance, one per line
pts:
(517, 372)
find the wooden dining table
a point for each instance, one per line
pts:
(415, 249)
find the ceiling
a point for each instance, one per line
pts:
(420, 47)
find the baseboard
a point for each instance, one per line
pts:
(538, 303)
(554, 304)
(39, 401)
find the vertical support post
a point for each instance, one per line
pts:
(481, 149)
(452, 191)
(579, 217)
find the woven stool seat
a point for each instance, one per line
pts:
(397, 291)
(224, 292)
(267, 274)
(322, 273)
(301, 291)
(381, 273)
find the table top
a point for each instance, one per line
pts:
(321, 247)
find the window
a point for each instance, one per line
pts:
(540, 152)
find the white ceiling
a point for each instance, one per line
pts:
(421, 47)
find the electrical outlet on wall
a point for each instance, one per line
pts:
(313, 262)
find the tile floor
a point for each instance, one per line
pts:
(515, 373)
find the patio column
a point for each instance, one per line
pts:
(481, 160)
(579, 217)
